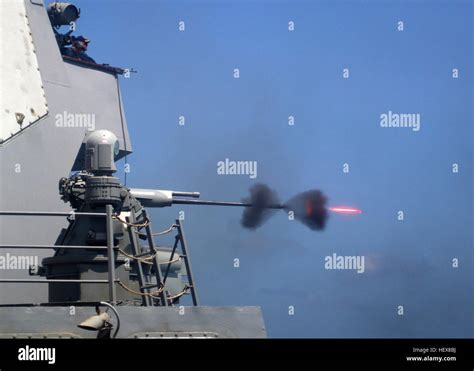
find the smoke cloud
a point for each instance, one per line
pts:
(261, 196)
(309, 208)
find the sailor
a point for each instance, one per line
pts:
(78, 49)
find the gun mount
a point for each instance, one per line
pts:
(137, 269)
(107, 256)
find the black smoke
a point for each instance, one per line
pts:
(261, 196)
(309, 208)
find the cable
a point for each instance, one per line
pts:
(171, 261)
(159, 233)
(155, 293)
(152, 295)
(145, 259)
(136, 225)
(178, 295)
(108, 305)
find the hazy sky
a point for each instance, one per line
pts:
(299, 73)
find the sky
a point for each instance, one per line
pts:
(409, 263)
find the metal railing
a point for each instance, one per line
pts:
(110, 249)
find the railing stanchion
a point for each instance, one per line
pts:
(110, 254)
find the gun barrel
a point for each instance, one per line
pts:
(221, 203)
(186, 194)
(162, 198)
(153, 197)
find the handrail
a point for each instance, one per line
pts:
(26, 280)
(110, 248)
(66, 247)
(50, 213)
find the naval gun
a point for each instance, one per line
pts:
(141, 272)
(146, 274)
